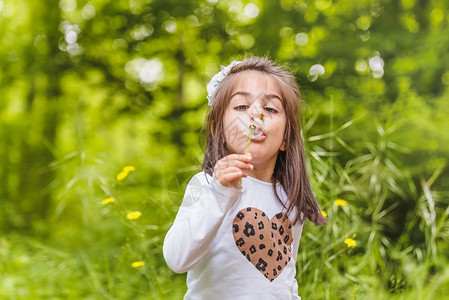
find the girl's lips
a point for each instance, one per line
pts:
(258, 135)
(259, 138)
(253, 132)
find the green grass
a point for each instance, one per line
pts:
(399, 224)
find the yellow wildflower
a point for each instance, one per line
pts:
(137, 264)
(108, 200)
(132, 215)
(129, 169)
(350, 242)
(122, 175)
(341, 202)
(324, 213)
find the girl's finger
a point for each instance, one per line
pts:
(235, 163)
(239, 157)
(232, 179)
(221, 173)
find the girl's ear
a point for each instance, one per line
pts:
(283, 146)
(212, 129)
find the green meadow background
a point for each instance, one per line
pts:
(101, 108)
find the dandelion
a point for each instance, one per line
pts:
(124, 173)
(137, 264)
(108, 200)
(133, 215)
(252, 131)
(129, 169)
(350, 242)
(341, 202)
(324, 213)
(259, 121)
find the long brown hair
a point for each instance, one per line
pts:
(290, 169)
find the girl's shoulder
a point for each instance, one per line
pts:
(200, 179)
(203, 180)
(194, 188)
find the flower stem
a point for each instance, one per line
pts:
(249, 142)
(252, 128)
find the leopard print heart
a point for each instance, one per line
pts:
(265, 243)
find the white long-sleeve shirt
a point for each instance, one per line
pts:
(234, 244)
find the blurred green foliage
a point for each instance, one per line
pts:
(89, 87)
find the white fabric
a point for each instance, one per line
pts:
(216, 80)
(201, 242)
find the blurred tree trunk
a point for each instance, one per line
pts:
(4, 171)
(42, 116)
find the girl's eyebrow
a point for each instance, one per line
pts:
(271, 96)
(244, 94)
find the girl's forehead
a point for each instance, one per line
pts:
(255, 82)
(251, 84)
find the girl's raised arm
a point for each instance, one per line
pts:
(204, 206)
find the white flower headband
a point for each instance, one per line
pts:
(216, 80)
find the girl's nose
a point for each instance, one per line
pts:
(255, 110)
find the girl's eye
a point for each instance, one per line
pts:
(270, 110)
(241, 107)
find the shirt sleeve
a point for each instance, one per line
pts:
(199, 217)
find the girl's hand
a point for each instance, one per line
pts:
(230, 169)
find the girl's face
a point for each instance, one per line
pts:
(255, 100)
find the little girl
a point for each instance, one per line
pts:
(238, 228)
